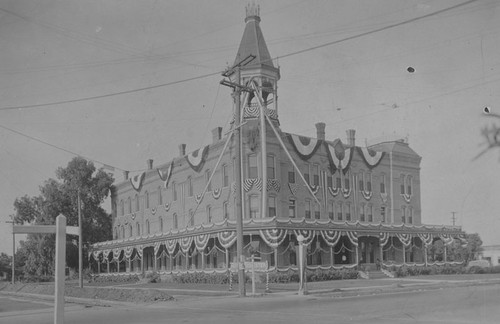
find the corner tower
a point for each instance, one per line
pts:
(257, 66)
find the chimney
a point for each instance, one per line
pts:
(351, 137)
(182, 149)
(150, 164)
(216, 134)
(125, 175)
(320, 131)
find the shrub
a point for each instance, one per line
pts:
(120, 279)
(311, 275)
(153, 277)
(207, 278)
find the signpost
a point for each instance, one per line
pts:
(60, 229)
(254, 267)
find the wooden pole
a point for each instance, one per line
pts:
(80, 243)
(60, 265)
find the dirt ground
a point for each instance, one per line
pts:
(114, 294)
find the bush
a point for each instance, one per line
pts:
(311, 275)
(153, 277)
(132, 278)
(207, 278)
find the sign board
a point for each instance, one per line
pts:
(258, 266)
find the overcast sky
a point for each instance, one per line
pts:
(58, 51)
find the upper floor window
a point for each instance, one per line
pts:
(271, 171)
(123, 232)
(175, 221)
(160, 196)
(161, 224)
(207, 180)
(409, 185)
(190, 187)
(122, 208)
(254, 206)
(291, 174)
(147, 226)
(271, 202)
(369, 213)
(138, 229)
(137, 203)
(348, 212)
(292, 211)
(382, 214)
(361, 181)
(368, 182)
(329, 181)
(225, 210)
(317, 212)
(339, 211)
(308, 209)
(410, 215)
(209, 214)
(315, 173)
(252, 167)
(347, 184)
(382, 183)
(225, 176)
(306, 173)
(339, 182)
(331, 210)
(130, 230)
(146, 197)
(403, 214)
(362, 213)
(129, 203)
(402, 184)
(174, 191)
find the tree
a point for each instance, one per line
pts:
(60, 196)
(5, 264)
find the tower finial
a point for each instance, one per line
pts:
(252, 11)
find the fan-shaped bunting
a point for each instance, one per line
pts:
(331, 237)
(273, 237)
(201, 241)
(197, 159)
(305, 147)
(226, 238)
(136, 181)
(307, 234)
(371, 158)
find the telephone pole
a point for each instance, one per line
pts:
(453, 218)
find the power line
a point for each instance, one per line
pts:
(277, 57)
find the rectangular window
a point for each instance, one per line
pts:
(271, 174)
(382, 184)
(409, 186)
(272, 206)
(317, 212)
(292, 212)
(306, 173)
(410, 216)
(361, 183)
(207, 178)
(370, 213)
(174, 191)
(362, 213)
(308, 209)
(252, 167)
(254, 206)
(315, 172)
(209, 214)
(225, 210)
(369, 183)
(403, 215)
(329, 181)
(347, 184)
(402, 184)
(348, 212)
(339, 183)
(382, 214)
(225, 176)
(291, 174)
(331, 208)
(339, 212)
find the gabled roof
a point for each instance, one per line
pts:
(253, 43)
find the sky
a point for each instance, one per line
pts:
(342, 62)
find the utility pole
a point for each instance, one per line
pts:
(13, 251)
(237, 87)
(453, 218)
(80, 243)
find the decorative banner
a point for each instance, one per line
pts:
(273, 237)
(153, 211)
(196, 159)
(249, 183)
(383, 196)
(346, 192)
(165, 176)
(167, 206)
(201, 241)
(366, 194)
(139, 250)
(405, 238)
(105, 254)
(305, 147)
(339, 157)
(427, 238)
(314, 189)
(353, 237)
(383, 239)
(129, 250)
(216, 193)
(137, 181)
(170, 245)
(95, 254)
(198, 198)
(185, 243)
(274, 184)
(447, 239)
(406, 197)
(371, 158)
(331, 237)
(251, 111)
(334, 191)
(293, 188)
(226, 238)
(156, 247)
(307, 234)
(116, 254)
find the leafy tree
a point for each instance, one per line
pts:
(60, 196)
(5, 264)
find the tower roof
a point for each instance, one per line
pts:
(252, 42)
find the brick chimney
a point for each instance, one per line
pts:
(182, 149)
(150, 164)
(216, 134)
(320, 131)
(351, 137)
(125, 175)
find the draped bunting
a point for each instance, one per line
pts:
(293, 188)
(447, 239)
(405, 238)
(371, 158)
(383, 238)
(346, 192)
(185, 243)
(105, 254)
(201, 241)
(366, 194)
(170, 245)
(226, 238)
(249, 183)
(139, 250)
(156, 247)
(216, 193)
(273, 184)
(153, 211)
(165, 176)
(333, 191)
(339, 157)
(307, 234)
(314, 188)
(383, 196)
(95, 254)
(136, 181)
(406, 197)
(198, 198)
(305, 147)
(353, 237)
(273, 237)
(128, 252)
(427, 238)
(116, 254)
(331, 237)
(197, 159)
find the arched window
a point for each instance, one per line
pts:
(402, 184)
(409, 183)
(130, 230)
(122, 208)
(175, 221)
(174, 191)
(123, 232)
(209, 214)
(161, 224)
(129, 203)
(315, 174)
(138, 229)
(137, 204)
(190, 187)
(147, 226)
(146, 197)
(160, 196)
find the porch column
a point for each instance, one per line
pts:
(357, 255)
(227, 259)
(404, 253)
(98, 266)
(425, 254)
(276, 258)
(331, 256)
(107, 264)
(129, 265)
(170, 259)
(203, 260)
(142, 262)
(155, 261)
(445, 254)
